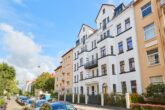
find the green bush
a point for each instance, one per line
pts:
(147, 107)
(2, 101)
(115, 100)
(82, 98)
(54, 95)
(136, 98)
(45, 107)
(155, 93)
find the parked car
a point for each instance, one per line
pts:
(28, 103)
(37, 104)
(52, 100)
(57, 106)
(24, 100)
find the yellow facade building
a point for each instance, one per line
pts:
(63, 74)
(150, 27)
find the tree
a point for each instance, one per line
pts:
(45, 82)
(7, 79)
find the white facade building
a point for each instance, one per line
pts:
(106, 60)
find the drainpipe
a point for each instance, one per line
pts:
(161, 34)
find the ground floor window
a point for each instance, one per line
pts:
(114, 88)
(124, 87)
(133, 86)
(156, 80)
(105, 88)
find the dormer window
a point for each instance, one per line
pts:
(104, 11)
(83, 29)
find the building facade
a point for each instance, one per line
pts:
(149, 18)
(63, 74)
(106, 60)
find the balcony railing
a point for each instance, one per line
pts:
(91, 64)
(162, 3)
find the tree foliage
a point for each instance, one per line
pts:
(45, 82)
(7, 79)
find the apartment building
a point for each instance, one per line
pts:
(106, 60)
(149, 18)
(63, 74)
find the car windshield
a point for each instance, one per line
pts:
(39, 103)
(30, 101)
(62, 107)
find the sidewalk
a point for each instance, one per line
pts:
(96, 107)
(12, 105)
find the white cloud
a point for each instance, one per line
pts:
(18, 1)
(25, 54)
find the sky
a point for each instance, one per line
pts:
(34, 34)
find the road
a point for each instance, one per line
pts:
(12, 105)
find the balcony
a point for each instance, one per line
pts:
(162, 3)
(91, 64)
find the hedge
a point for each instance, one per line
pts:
(2, 101)
(136, 98)
(138, 106)
(115, 100)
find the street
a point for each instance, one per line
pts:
(13, 105)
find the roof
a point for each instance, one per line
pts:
(58, 67)
(86, 26)
(101, 8)
(68, 52)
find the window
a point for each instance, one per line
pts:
(133, 86)
(112, 50)
(104, 69)
(119, 29)
(121, 47)
(68, 83)
(131, 64)
(156, 80)
(108, 33)
(104, 11)
(104, 24)
(77, 66)
(108, 19)
(153, 57)
(93, 73)
(113, 69)
(81, 76)
(124, 87)
(74, 78)
(127, 24)
(57, 79)
(149, 31)
(94, 43)
(129, 44)
(74, 67)
(114, 88)
(68, 74)
(74, 55)
(83, 29)
(103, 52)
(105, 35)
(146, 10)
(81, 62)
(122, 70)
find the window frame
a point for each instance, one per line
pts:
(149, 30)
(151, 55)
(126, 24)
(118, 29)
(145, 8)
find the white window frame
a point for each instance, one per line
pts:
(149, 30)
